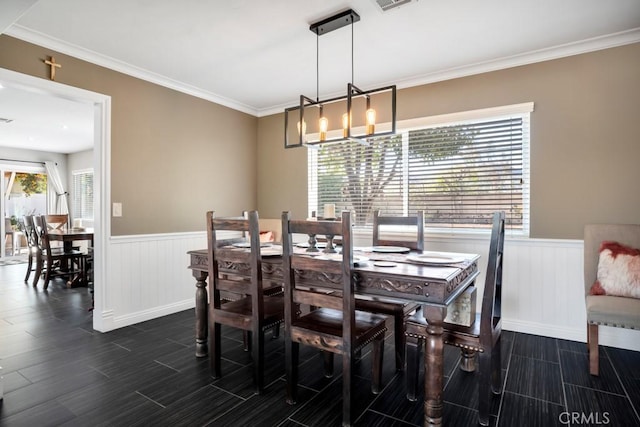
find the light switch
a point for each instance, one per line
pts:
(117, 209)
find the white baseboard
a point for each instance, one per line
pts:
(114, 322)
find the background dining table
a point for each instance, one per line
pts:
(68, 236)
(397, 276)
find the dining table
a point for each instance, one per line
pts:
(433, 279)
(68, 236)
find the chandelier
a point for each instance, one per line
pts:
(349, 117)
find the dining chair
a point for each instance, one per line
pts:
(609, 308)
(32, 246)
(398, 311)
(57, 222)
(334, 325)
(482, 337)
(252, 311)
(55, 262)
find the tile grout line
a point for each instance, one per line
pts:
(622, 384)
(564, 386)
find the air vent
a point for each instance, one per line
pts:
(3, 120)
(390, 4)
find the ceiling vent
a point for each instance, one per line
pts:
(390, 4)
(3, 120)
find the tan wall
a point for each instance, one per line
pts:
(585, 147)
(173, 156)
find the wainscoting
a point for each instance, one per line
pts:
(147, 277)
(543, 292)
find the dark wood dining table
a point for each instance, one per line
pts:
(434, 287)
(68, 237)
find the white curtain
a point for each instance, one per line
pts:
(56, 194)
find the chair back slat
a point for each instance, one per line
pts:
(491, 314)
(315, 298)
(379, 221)
(56, 221)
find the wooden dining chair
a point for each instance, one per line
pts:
(29, 231)
(398, 311)
(333, 326)
(253, 311)
(55, 262)
(481, 338)
(57, 222)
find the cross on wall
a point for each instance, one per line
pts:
(52, 63)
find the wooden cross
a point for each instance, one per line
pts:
(52, 63)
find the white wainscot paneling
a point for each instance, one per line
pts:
(147, 277)
(543, 287)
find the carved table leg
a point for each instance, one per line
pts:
(433, 365)
(202, 322)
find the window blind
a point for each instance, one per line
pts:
(83, 195)
(459, 174)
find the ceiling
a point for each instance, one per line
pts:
(258, 56)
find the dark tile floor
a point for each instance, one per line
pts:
(59, 372)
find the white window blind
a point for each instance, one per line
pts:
(83, 194)
(458, 173)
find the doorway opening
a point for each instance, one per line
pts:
(101, 105)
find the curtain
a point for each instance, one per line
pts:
(56, 194)
(10, 181)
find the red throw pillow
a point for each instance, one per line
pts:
(618, 271)
(266, 236)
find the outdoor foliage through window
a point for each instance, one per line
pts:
(459, 174)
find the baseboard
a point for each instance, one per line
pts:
(110, 322)
(613, 337)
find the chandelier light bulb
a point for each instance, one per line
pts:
(371, 121)
(346, 123)
(323, 126)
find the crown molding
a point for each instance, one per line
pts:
(43, 40)
(541, 55)
(547, 54)
(561, 51)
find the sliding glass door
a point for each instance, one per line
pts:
(23, 192)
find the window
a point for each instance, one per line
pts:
(83, 194)
(458, 168)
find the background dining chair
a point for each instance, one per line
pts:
(399, 311)
(607, 310)
(55, 262)
(57, 222)
(380, 238)
(482, 337)
(33, 248)
(334, 326)
(252, 311)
